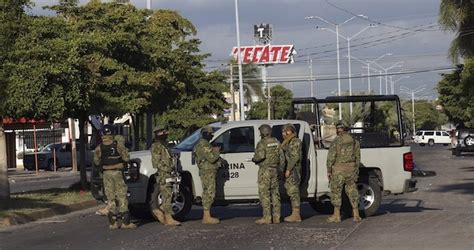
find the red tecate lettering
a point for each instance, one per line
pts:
(265, 55)
(275, 52)
(285, 53)
(247, 54)
(256, 54)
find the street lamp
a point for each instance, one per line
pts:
(367, 65)
(239, 61)
(406, 90)
(336, 31)
(397, 64)
(392, 83)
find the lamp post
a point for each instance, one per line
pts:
(392, 83)
(406, 90)
(397, 64)
(367, 65)
(239, 62)
(336, 31)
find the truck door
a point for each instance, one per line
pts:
(237, 176)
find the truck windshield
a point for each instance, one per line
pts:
(376, 121)
(188, 143)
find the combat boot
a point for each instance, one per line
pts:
(294, 216)
(126, 224)
(208, 219)
(355, 213)
(159, 215)
(336, 217)
(276, 219)
(264, 221)
(112, 221)
(169, 221)
(103, 211)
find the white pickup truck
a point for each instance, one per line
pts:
(386, 164)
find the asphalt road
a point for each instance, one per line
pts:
(440, 215)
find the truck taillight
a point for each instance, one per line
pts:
(408, 161)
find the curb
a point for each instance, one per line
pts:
(56, 210)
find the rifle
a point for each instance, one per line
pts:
(175, 179)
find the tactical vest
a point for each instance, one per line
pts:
(272, 158)
(110, 154)
(345, 151)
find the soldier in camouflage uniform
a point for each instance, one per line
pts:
(270, 158)
(343, 170)
(163, 162)
(105, 211)
(292, 148)
(112, 156)
(207, 159)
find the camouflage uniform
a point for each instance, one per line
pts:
(163, 162)
(343, 167)
(293, 154)
(207, 161)
(114, 185)
(270, 158)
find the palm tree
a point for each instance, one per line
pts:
(458, 16)
(253, 85)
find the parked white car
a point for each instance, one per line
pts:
(432, 137)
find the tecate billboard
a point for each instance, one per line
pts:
(265, 54)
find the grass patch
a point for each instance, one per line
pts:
(29, 202)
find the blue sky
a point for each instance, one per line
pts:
(408, 29)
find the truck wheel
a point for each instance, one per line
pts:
(370, 196)
(431, 143)
(322, 206)
(181, 206)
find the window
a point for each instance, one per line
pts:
(429, 133)
(419, 133)
(237, 140)
(445, 134)
(438, 133)
(276, 131)
(188, 143)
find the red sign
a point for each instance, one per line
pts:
(264, 54)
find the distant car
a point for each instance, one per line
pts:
(432, 137)
(46, 157)
(465, 138)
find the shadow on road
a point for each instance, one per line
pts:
(403, 206)
(468, 169)
(460, 188)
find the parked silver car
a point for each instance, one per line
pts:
(63, 157)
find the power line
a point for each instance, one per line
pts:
(370, 20)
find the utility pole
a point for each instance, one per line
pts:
(239, 57)
(412, 93)
(232, 110)
(148, 4)
(269, 97)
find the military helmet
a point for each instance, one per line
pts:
(207, 129)
(340, 124)
(265, 130)
(288, 126)
(108, 129)
(159, 128)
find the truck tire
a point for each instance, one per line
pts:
(322, 206)
(370, 195)
(181, 207)
(431, 143)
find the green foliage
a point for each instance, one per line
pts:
(456, 94)
(426, 115)
(251, 77)
(458, 16)
(280, 104)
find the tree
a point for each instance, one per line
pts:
(458, 16)
(280, 104)
(456, 94)
(251, 77)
